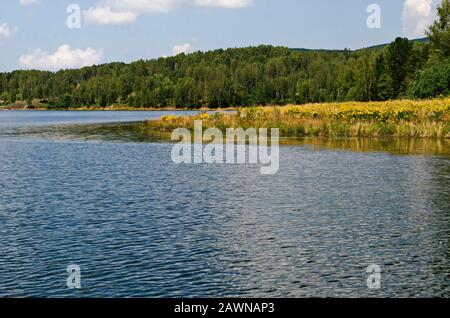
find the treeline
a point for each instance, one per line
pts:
(263, 75)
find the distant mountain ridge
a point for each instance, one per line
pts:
(378, 46)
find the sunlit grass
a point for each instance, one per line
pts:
(400, 118)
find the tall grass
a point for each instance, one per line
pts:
(402, 118)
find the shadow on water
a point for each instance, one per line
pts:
(110, 132)
(138, 132)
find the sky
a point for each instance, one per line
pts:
(58, 34)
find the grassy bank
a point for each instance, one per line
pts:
(402, 118)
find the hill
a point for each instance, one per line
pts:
(260, 75)
(378, 46)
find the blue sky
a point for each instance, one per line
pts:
(34, 33)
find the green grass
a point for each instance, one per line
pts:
(409, 119)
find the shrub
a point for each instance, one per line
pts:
(432, 82)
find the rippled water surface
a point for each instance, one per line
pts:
(141, 226)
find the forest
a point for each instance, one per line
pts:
(263, 75)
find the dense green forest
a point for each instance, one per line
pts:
(263, 75)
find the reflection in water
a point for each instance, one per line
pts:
(141, 226)
(393, 145)
(119, 132)
(137, 132)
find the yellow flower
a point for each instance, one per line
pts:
(203, 116)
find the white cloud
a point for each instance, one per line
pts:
(105, 15)
(126, 11)
(181, 48)
(64, 57)
(5, 30)
(141, 6)
(229, 4)
(28, 2)
(417, 16)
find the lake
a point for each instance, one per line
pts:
(88, 188)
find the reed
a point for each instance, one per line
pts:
(400, 118)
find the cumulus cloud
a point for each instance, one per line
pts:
(142, 6)
(181, 48)
(126, 11)
(229, 4)
(65, 57)
(28, 2)
(417, 16)
(105, 15)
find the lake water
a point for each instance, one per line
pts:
(108, 199)
(26, 119)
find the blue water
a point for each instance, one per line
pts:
(15, 119)
(140, 226)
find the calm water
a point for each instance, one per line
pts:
(140, 226)
(15, 119)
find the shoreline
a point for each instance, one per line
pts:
(115, 109)
(401, 118)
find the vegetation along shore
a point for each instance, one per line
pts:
(402, 118)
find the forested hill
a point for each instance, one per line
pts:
(378, 46)
(235, 77)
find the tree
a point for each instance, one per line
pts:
(398, 64)
(27, 93)
(439, 32)
(250, 76)
(433, 81)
